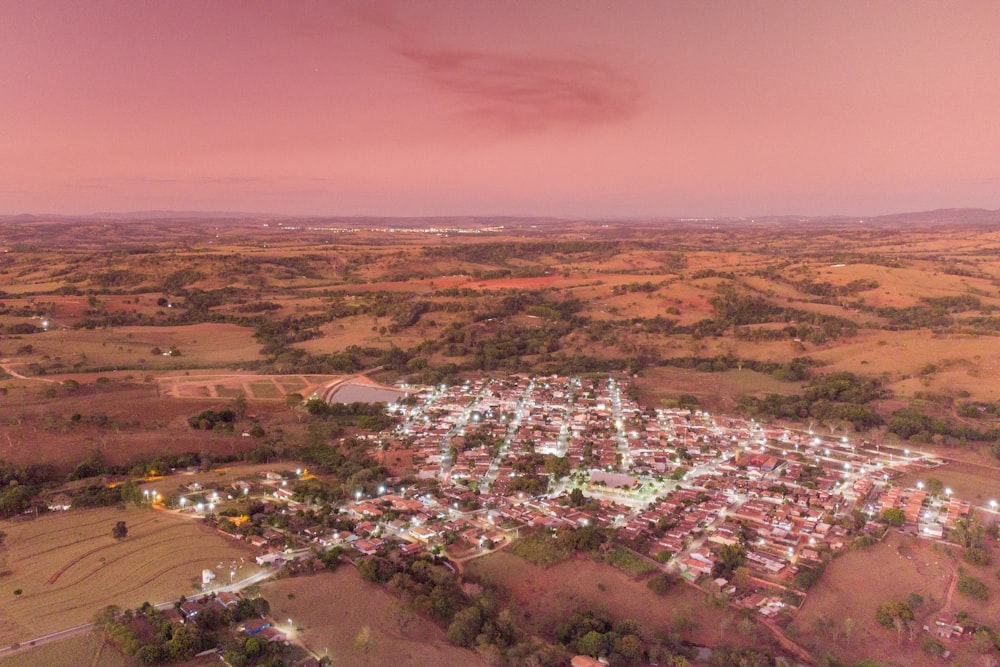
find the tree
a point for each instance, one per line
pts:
(576, 498)
(894, 516)
(106, 615)
(593, 644)
(14, 499)
(731, 556)
(557, 466)
(119, 531)
(294, 402)
(630, 648)
(130, 492)
(465, 626)
(895, 614)
(240, 406)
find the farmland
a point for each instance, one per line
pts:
(67, 565)
(906, 301)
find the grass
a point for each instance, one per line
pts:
(544, 597)
(885, 572)
(68, 565)
(968, 481)
(540, 550)
(630, 563)
(330, 610)
(84, 649)
(265, 390)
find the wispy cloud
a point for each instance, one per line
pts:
(525, 93)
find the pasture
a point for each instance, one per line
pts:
(855, 584)
(67, 565)
(88, 648)
(977, 484)
(329, 611)
(68, 351)
(544, 597)
(123, 420)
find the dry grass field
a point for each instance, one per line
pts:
(855, 584)
(329, 610)
(976, 483)
(85, 650)
(543, 597)
(67, 566)
(68, 351)
(140, 422)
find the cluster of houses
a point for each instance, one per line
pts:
(676, 485)
(187, 611)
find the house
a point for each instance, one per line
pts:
(423, 533)
(272, 635)
(226, 600)
(255, 625)
(60, 503)
(258, 541)
(173, 616)
(266, 559)
(190, 609)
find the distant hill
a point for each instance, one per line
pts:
(966, 216)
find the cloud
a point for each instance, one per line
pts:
(512, 93)
(498, 92)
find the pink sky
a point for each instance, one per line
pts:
(568, 108)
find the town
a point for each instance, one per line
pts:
(474, 466)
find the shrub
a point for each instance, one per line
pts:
(662, 583)
(977, 555)
(973, 587)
